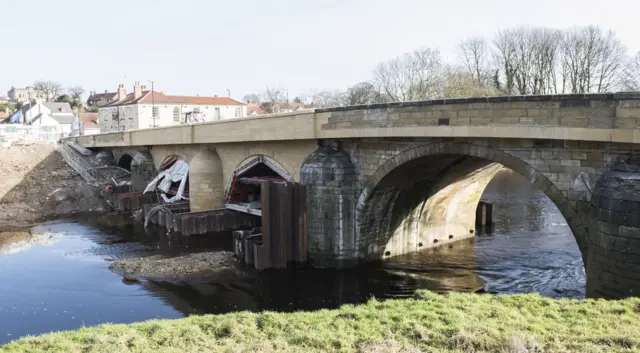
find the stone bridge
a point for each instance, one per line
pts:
(388, 179)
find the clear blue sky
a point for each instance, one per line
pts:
(206, 46)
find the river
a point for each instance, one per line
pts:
(63, 282)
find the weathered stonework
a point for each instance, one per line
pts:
(614, 247)
(406, 171)
(142, 171)
(330, 179)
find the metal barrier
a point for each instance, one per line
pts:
(31, 132)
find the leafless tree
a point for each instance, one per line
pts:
(328, 99)
(271, 97)
(412, 76)
(473, 54)
(527, 59)
(252, 98)
(631, 79)
(363, 93)
(458, 83)
(592, 60)
(51, 89)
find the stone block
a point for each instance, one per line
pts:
(629, 232)
(624, 123)
(579, 155)
(570, 162)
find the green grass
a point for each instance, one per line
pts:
(429, 322)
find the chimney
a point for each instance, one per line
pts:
(106, 91)
(137, 90)
(122, 92)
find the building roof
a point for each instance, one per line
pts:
(3, 115)
(254, 108)
(59, 107)
(160, 98)
(108, 96)
(89, 120)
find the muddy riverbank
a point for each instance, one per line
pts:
(207, 266)
(37, 184)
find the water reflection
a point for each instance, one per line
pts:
(67, 285)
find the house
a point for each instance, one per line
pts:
(97, 100)
(143, 109)
(26, 94)
(57, 117)
(254, 109)
(62, 113)
(89, 123)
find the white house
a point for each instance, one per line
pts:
(53, 117)
(145, 109)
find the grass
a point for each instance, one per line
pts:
(429, 322)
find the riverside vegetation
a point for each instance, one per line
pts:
(456, 322)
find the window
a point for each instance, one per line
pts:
(154, 112)
(238, 112)
(217, 116)
(176, 115)
(196, 110)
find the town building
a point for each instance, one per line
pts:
(144, 108)
(57, 117)
(97, 100)
(26, 94)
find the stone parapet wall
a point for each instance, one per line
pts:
(605, 111)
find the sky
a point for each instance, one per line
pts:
(204, 47)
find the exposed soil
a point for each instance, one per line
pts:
(36, 183)
(205, 265)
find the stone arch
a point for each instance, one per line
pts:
(125, 160)
(281, 169)
(206, 181)
(330, 179)
(143, 170)
(459, 161)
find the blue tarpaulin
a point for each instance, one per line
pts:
(17, 117)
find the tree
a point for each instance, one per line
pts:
(363, 93)
(592, 60)
(474, 56)
(270, 98)
(252, 98)
(328, 99)
(527, 59)
(461, 84)
(50, 89)
(631, 80)
(76, 93)
(412, 76)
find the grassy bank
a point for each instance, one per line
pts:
(430, 322)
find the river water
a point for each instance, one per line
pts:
(63, 282)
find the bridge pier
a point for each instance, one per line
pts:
(206, 182)
(330, 178)
(613, 265)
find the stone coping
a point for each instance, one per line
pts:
(495, 99)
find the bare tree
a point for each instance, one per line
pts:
(328, 99)
(271, 97)
(50, 89)
(363, 93)
(631, 79)
(473, 53)
(458, 83)
(527, 59)
(412, 76)
(252, 98)
(592, 60)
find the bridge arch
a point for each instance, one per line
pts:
(125, 160)
(429, 194)
(250, 163)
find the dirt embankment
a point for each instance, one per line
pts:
(36, 183)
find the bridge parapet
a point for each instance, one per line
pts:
(600, 111)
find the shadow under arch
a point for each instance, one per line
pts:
(125, 161)
(428, 194)
(252, 162)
